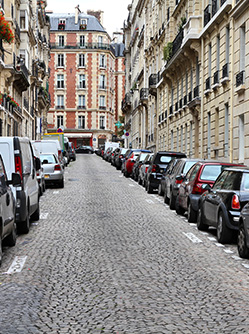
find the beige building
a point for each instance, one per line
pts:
(195, 60)
(24, 69)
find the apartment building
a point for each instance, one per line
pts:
(24, 98)
(87, 78)
(195, 69)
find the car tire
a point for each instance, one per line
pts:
(10, 240)
(149, 188)
(139, 180)
(165, 198)
(172, 202)
(24, 226)
(192, 214)
(179, 209)
(160, 191)
(36, 215)
(126, 174)
(61, 183)
(201, 221)
(243, 250)
(224, 234)
(1, 253)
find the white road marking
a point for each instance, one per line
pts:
(131, 185)
(17, 265)
(150, 201)
(192, 224)
(219, 245)
(34, 224)
(56, 192)
(212, 239)
(236, 258)
(245, 265)
(192, 237)
(228, 251)
(44, 215)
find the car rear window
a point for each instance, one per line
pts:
(163, 159)
(229, 180)
(210, 172)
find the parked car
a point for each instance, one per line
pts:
(48, 146)
(130, 160)
(243, 234)
(8, 208)
(158, 166)
(220, 206)
(18, 157)
(71, 151)
(192, 185)
(84, 149)
(144, 168)
(116, 152)
(173, 178)
(108, 154)
(162, 184)
(53, 170)
(137, 165)
(39, 173)
(120, 157)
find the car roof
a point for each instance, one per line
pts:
(238, 169)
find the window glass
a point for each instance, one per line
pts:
(210, 172)
(245, 182)
(26, 158)
(194, 172)
(187, 166)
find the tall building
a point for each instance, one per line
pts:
(86, 78)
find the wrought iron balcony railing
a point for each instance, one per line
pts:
(208, 85)
(225, 71)
(144, 93)
(216, 77)
(240, 78)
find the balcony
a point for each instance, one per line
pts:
(177, 42)
(208, 86)
(207, 14)
(171, 110)
(21, 77)
(190, 96)
(196, 91)
(144, 93)
(81, 107)
(89, 46)
(240, 81)
(216, 77)
(60, 107)
(126, 102)
(176, 106)
(102, 107)
(153, 81)
(185, 100)
(225, 75)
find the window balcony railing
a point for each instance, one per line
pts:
(171, 110)
(176, 106)
(240, 78)
(102, 107)
(102, 127)
(154, 79)
(180, 103)
(196, 91)
(60, 107)
(81, 107)
(208, 84)
(60, 86)
(81, 86)
(216, 77)
(214, 7)
(207, 14)
(102, 87)
(166, 114)
(225, 71)
(61, 26)
(159, 119)
(101, 46)
(144, 93)
(185, 100)
(190, 96)
(162, 116)
(177, 42)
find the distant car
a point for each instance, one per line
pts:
(120, 157)
(39, 172)
(174, 177)
(220, 206)
(71, 151)
(53, 170)
(84, 149)
(130, 158)
(144, 168)
(193, 185)
(137, 165)
(7, 204)
(158, 166)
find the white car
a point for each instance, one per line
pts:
(52, 169)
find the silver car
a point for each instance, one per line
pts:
(52, 169)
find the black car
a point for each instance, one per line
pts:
(174, 177)
(144, 168)
(158, 166)
(220, 206)
(243, 235)
(84, 149)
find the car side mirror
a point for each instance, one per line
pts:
(16, 180)
(206, 186)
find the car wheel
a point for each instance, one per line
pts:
(192, 214)
(24, 226)
(61, 183)
(165, 198)
(149, 188)
(172, 202)
(126, 174)
(179, 209)
(160, 191)
(201, 221)
(224, 234)
(10, 240)
(36, 215)
(1, 253)
(243, 250)
(139, 180)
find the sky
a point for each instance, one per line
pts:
(115, 11)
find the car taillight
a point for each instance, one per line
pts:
(18, 165)
(57, 167)
(197, 189)
(120, 157)
(179, 181)
(153, 170)
(146, 168)
(59, 152)
(235, 202)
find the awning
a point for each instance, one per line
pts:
(78, 135)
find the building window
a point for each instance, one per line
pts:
(100, 41)
(81, 122)
(241, 139)
(102, 81)
(60, 101)
(190, 139)
(61, 41)
(60, 80)
(82, 101)
(82, 60)
(82, 81)
(171, 140)
(59, 121)
(102, 104)
(23, 19)
(102, 122)
(60, 60)
(226, 130)
(61, 24)
(102, 62)
(82, 41)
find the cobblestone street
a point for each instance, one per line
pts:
(106, 257)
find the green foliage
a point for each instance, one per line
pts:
(167, 51)
(181, 24)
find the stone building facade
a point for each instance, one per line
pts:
(193, 90)
(87, 78)
(24, 69)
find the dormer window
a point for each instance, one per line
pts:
(61, 24)
(83, 24)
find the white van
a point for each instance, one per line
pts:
(18, 157)
(49, 146)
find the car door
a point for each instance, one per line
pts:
(187, 185)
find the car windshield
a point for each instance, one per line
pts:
(48, 158)
(229, 180)
(210, 172)
(188, 165)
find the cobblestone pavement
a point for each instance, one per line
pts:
(106, 257)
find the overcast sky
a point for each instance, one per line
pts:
(115, 11)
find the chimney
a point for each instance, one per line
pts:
(77, 11)
(97, 13)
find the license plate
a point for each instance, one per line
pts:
(161, 170)
(46, 176)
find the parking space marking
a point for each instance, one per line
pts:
(192, 237)
(149, 201)
(245, 265)
(228, 251)
(56, 192)
(131, 185)
(17, 265)
(44, 215)
(235, 257)
(212, 239)
(219, 245)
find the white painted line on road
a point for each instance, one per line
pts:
(56, 192)
(236, 258)
(44, 215)
(34, 224)
(219, 245)
(228, 251)
(121, 175)
(192, 224)
(149, 201)
(245, 265)
(131, 185)
(192, 237)
(17, 265)
(212, 239)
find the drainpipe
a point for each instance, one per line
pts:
(232, 93)
(202, 97)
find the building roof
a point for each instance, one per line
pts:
(92, 23)
(119, 49)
